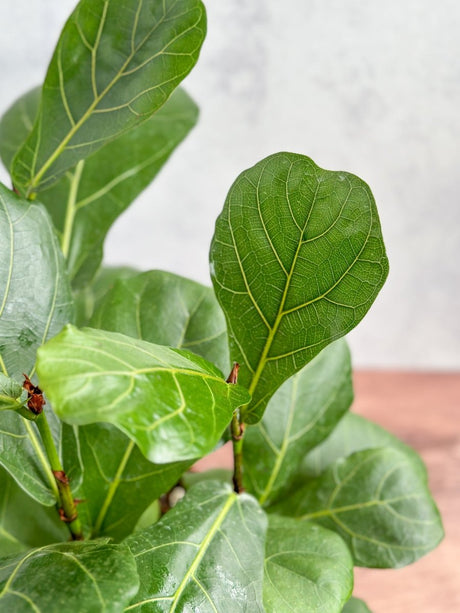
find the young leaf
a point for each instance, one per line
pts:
(16, 124)
(206, 554)
(32, 526)
(118, 482)
(307, 568)
(35, 298)
(115, 64)
(356, 605)
(172, 404)
(79, 576)
(379, 503)
(352, 433)
(12, 395)
(299, 416)
(166, 309)
(297, 260)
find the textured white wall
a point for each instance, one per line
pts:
(369, 87)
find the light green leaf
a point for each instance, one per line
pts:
(80, 577)
(379, 503)
(356, 605)
(307, 568)
(172, 404)
(205, 555)
(86, 202)
(300, 415)
(24, 523)
(35, 302)
(296, 261)
(166, 309)
(115, 64)
(16, 124)
(352, 433)
(118, 482)
(12, 395)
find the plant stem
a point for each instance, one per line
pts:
(70, 211)
(68, 509)
(237, 439)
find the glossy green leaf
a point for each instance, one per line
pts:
(119, 483)
(205, 555)
(35, 302)
(172, 403)
(300, 415)
(12, 395)
(80, 577)
(24, 523)
(115, 64)
(35, 299)
(167, 309)
(307, 568)
(356, 605)
(352, 433)
(16, 124)
(86, 202)
(378, 501)
(297, 260)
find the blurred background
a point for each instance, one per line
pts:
(368, 87)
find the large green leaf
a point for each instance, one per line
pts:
(172, 403)
(379, 503)
(79, 577)
(297, 260)
(119, 483)
(356, 605)
(352, 433)
(24, 523)
(299, 416)
(115, 64)
(307, 568)
(166, 309)
(205, 555)
(35, 302)
(35, 299)
(16, 124)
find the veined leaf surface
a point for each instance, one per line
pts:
(378, 501)
(115, 64)
(167, 309)
(300, 415)
(173, 404)
(206, 554)
(17, 123)
(307, 568)
(82, 577)
(12, 395)
(297, 259)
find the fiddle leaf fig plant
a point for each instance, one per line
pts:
(114, 382)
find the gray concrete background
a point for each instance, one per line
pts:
(369, 87)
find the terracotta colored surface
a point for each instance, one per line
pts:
(423, 409)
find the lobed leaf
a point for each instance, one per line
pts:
(300, 415)
(206, 553)
(172, 404)
(166, 309)
(378, 501)
(115, 64)
(82, 577)
(297, 259)
(307, 568)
